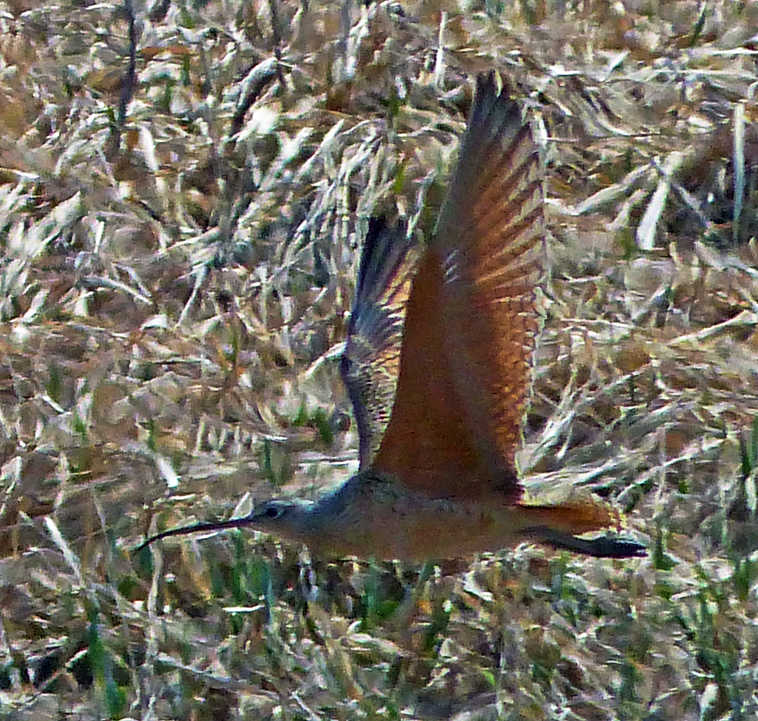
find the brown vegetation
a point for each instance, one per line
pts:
(178, 257)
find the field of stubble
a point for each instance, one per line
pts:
(184, 187)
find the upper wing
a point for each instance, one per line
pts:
(466, 365)
(371, 361)
(491, 240)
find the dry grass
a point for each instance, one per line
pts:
(179, 245)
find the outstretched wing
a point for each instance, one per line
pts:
(491, 240)
(371, 361)
(466, 366)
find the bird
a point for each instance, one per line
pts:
(438, 364)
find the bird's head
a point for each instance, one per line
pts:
(286, 518)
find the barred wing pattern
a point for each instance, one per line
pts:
(371, 362)
(466, 364)
(491, 239)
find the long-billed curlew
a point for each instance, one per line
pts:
(438, 364)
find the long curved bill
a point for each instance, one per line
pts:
(197, 528)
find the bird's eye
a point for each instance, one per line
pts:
(272, 512)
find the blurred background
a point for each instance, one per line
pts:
(184, 188)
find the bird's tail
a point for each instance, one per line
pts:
(558, 524)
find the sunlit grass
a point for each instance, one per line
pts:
(174, 290)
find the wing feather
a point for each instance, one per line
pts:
(466, 362)
(491, 239)
(371, 362)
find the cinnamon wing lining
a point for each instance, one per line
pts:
(491, 240)
(465, 369)
(371, 361)
(427, 446)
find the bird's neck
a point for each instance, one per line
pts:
(333, 523)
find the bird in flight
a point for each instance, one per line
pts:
(438, 364)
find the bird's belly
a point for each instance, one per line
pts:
(420, 529)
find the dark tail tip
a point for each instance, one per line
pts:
(599, 547)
